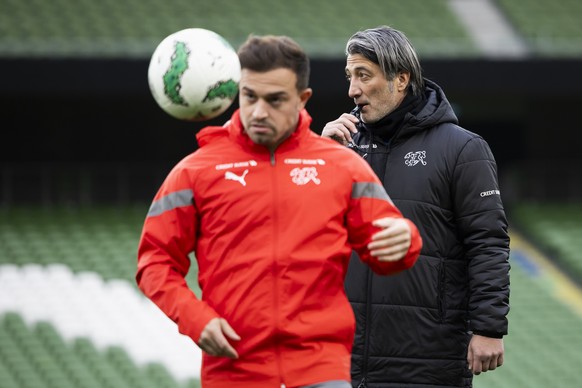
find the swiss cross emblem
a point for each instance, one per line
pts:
(304, 175)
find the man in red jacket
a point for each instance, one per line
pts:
(272, 212)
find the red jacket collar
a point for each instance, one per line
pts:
(234, 129)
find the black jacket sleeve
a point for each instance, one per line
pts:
(482, 227)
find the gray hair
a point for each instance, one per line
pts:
(391, 50)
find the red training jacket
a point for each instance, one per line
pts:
(272, 235)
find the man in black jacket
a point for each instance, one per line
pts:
(442, 321)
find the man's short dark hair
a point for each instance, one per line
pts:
(270, 52)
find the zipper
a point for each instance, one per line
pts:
(368, 315)
(362, 383)
(276, 314)
(383, 168)
(366, 327)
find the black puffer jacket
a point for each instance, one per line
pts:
(413, 328)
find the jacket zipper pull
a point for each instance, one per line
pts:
(362, 383)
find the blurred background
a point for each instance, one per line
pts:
(84, 147)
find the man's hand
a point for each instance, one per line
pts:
(484, 353)
(341, 130)
(213, 339)
(393, 241)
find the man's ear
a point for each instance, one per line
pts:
(402, 81)
(305, 95)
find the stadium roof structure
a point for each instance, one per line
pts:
(133, 28)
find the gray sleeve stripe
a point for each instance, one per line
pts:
(171, 201)
(369, 190)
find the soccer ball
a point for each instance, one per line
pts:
(194, 74)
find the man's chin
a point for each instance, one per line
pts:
(260, 139)
(368, 119)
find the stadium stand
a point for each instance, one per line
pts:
(70, 304)
(557, 229)
(544, 334)
(551, 28)
(133, 28)
(543, 327)
(99, 240)
(37, 357)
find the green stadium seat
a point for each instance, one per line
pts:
(104, 241)
(552, 28)
(133, 28)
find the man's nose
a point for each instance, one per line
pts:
(354, 90)
(261, 110)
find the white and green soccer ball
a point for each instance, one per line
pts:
(194, 74)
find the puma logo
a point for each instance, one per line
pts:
(233, 177)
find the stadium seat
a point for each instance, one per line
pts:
(551, 28)
(133, 28)
(96, 246)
